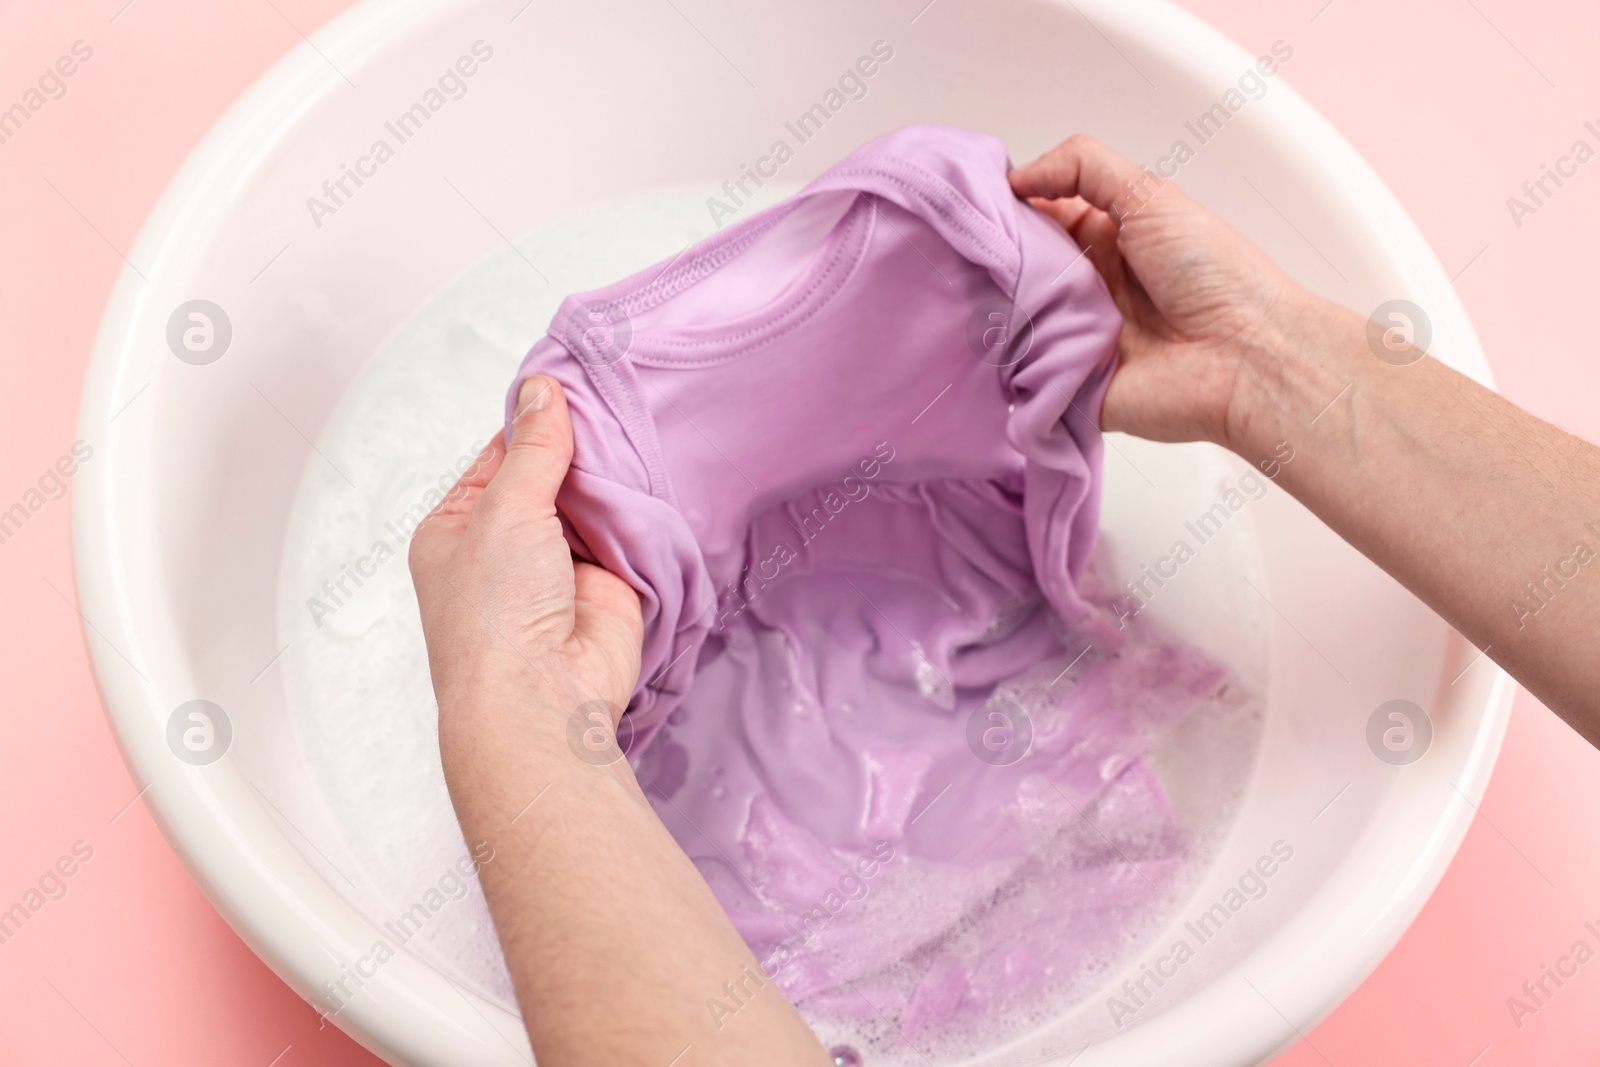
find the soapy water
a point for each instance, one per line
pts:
(923, 874)
(966, 957)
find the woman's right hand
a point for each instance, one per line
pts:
(1207, 317)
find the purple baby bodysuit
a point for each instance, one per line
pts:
(846, 451)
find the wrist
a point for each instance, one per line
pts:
(1298, 364)
(466, 678)
(498, 732)
(537, 707)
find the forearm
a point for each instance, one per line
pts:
(614, 942)
(1479, 508)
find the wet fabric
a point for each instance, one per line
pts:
(846, 451)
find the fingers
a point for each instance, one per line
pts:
(449, 516)
(607, 616)
(1082, 166)
(541, 444)
(1093, 230)
(461, 496)
(482, 471)
(1071, 212)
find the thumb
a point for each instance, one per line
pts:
(540, 450)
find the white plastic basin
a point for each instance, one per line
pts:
(181, 524)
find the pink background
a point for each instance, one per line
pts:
(1455, 102)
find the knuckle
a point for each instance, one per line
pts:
(547, 444)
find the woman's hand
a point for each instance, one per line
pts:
(1205, 312)
(499, 591)
(1469, 502)
(613, 940)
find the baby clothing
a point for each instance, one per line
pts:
(793, 349)
(846, 451)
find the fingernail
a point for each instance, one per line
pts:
(535, 394)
